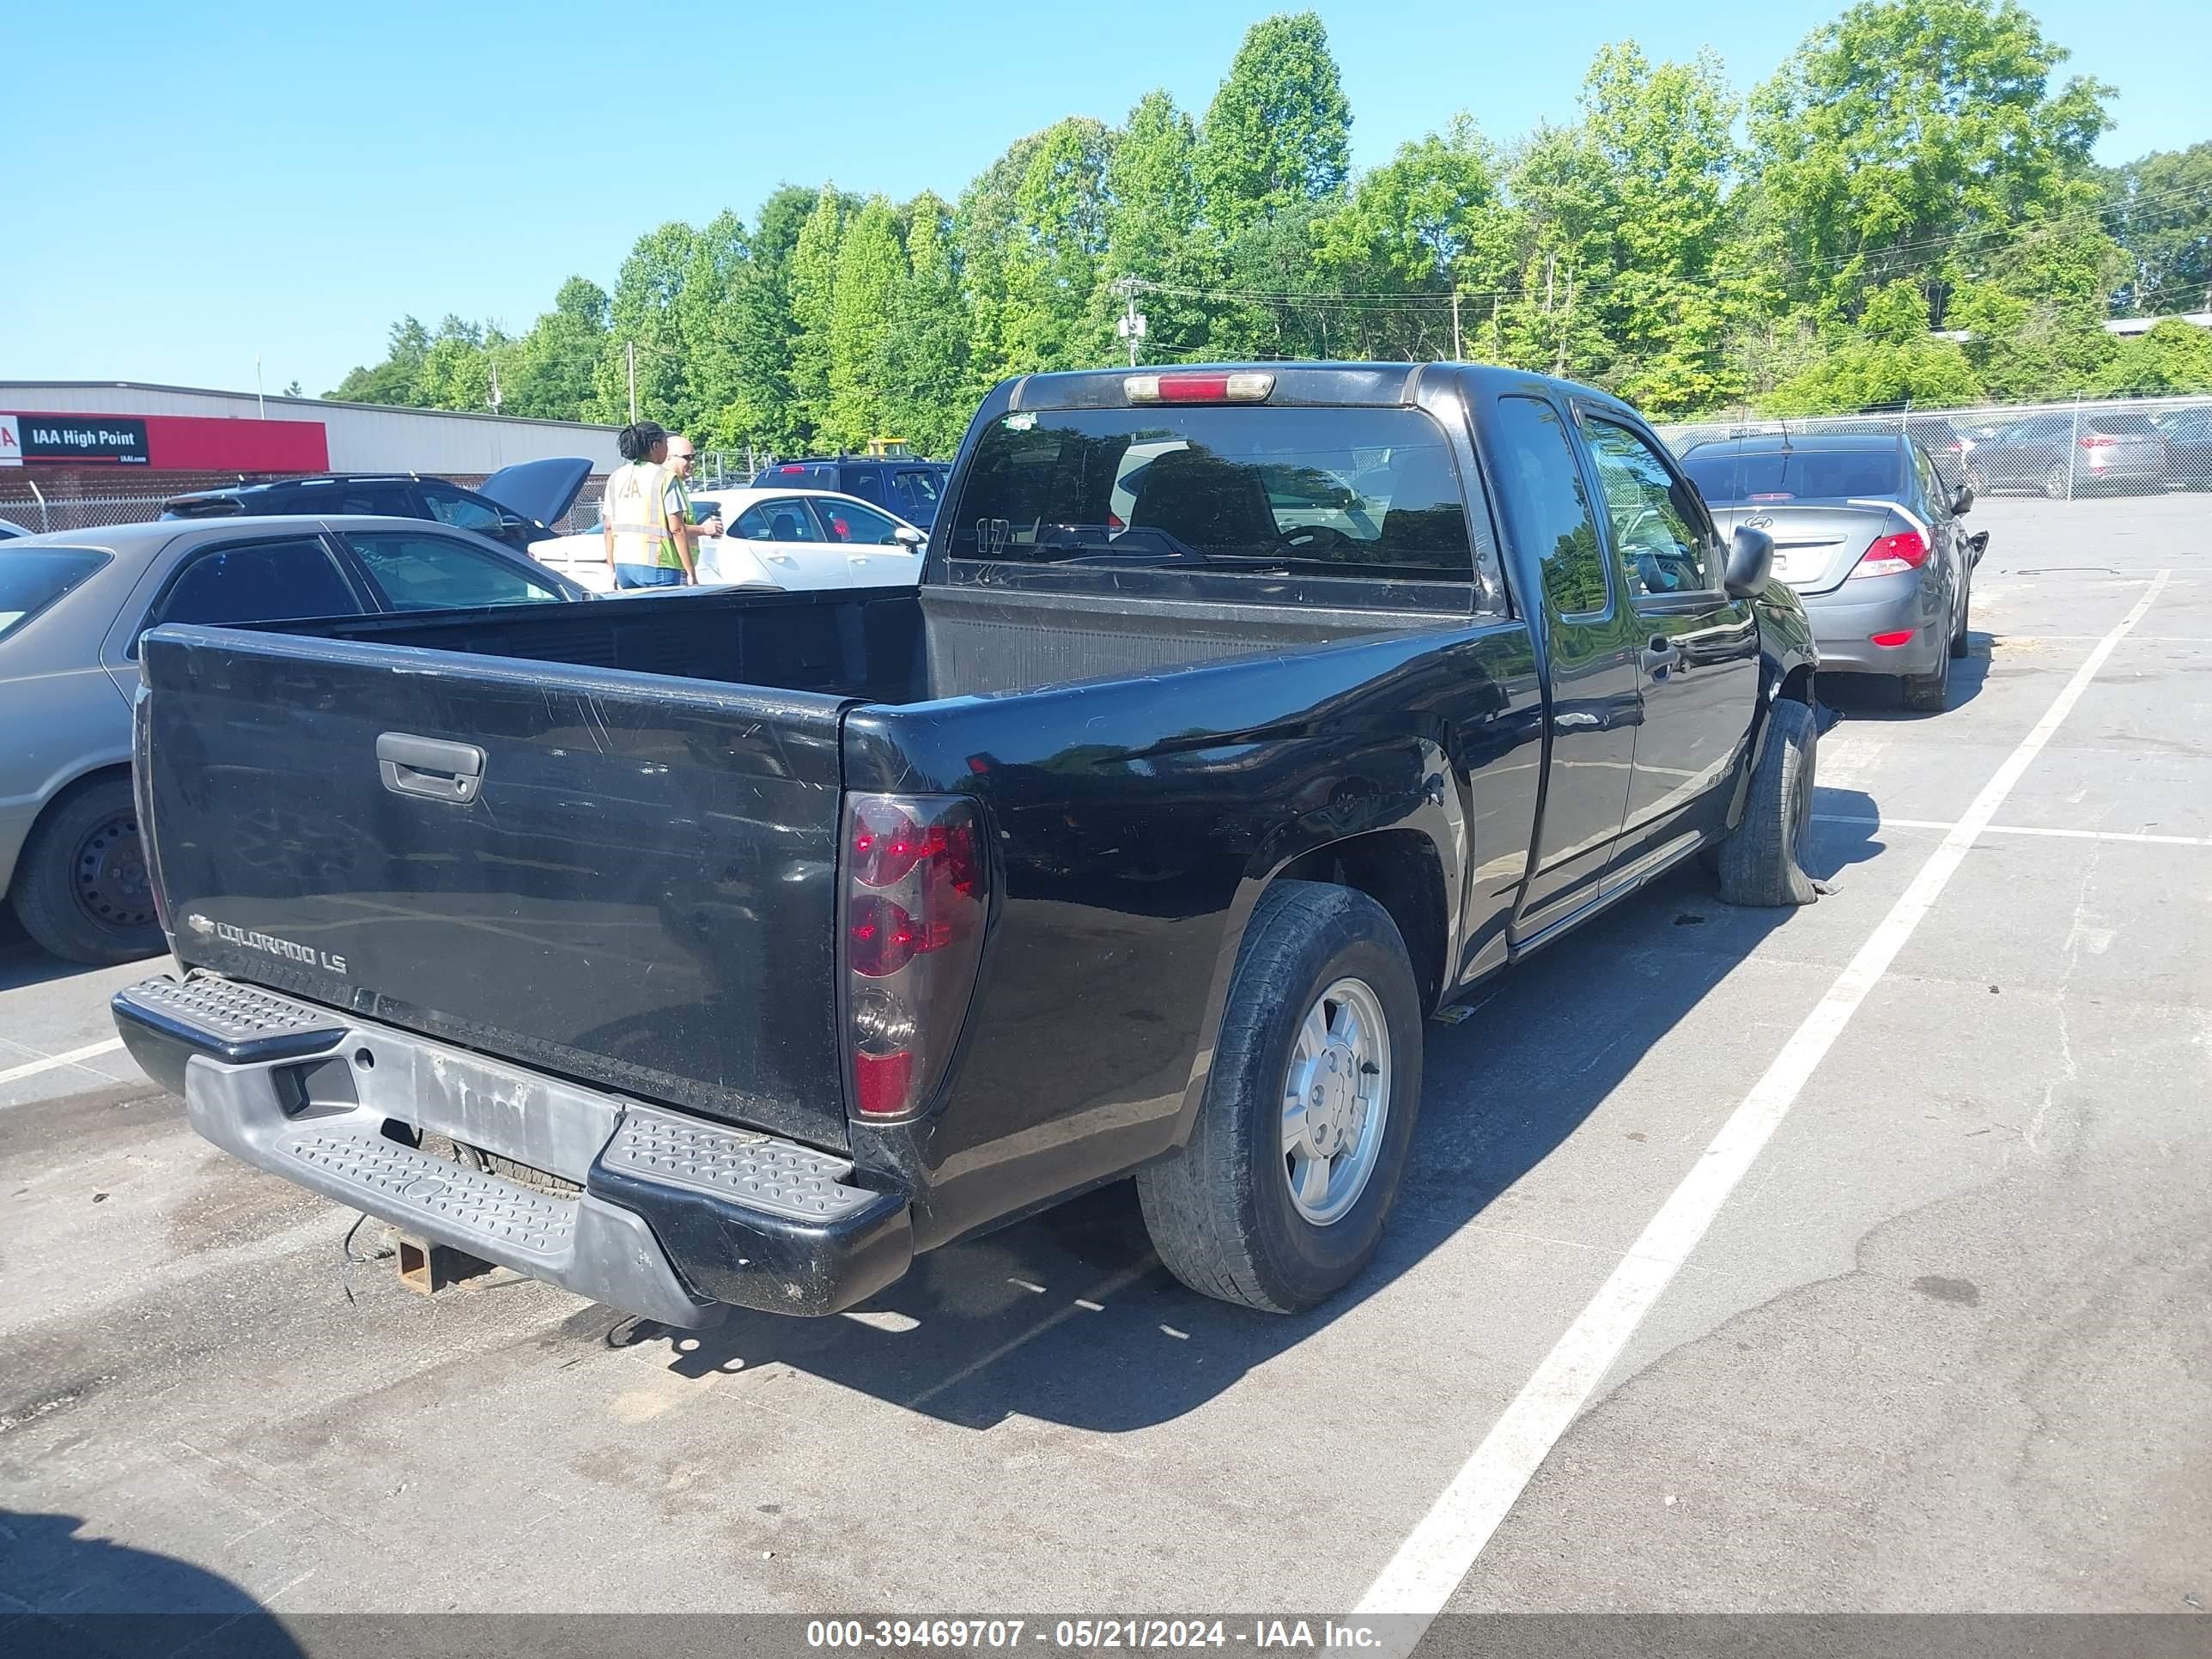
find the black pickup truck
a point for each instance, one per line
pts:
(730, 950)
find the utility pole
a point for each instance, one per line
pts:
(1566, 322)
(1131, 325)
(495, 388)
(1497, 341)
(260, 401)
(629, 353)
(1458, 356)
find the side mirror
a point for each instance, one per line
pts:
(907, 536)
(1750, 563)
(1978, 544)
(1962, 502)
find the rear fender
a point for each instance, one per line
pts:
(1422, 799)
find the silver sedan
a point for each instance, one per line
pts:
(72, 606)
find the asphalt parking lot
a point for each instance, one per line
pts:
(1941, 1348)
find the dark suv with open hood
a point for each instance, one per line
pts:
(518, 505)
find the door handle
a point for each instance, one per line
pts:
(430, 767)
(1660, 655)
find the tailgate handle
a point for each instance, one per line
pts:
(430, 767)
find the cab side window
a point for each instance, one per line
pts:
(849, 521)
(778, 521)
(1656, 523)
(1546, 508)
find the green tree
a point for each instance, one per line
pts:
(2035, 326)
(395, 380)
(552, 378)
(1429, 219)
(984, 229)
(871, 270)
(1151, 225)
(1278, 132)
(812, 281)
(2174, 356)
(645, 319)
(1053, 255)
(1906, 133)
(1889, 360)
(923, 364)
(2160, 209)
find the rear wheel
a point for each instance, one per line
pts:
(80, 887)
(1759, 862)
(1976, 482)
(1927, 694)
(1279, 1198)
(1959, 642)
(2054, 481)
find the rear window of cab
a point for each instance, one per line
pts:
(34, 578)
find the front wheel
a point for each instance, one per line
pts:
(1761, 861)
(1278, 1199)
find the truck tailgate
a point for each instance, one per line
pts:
(620, 878)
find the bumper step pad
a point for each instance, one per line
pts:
(238, 1023)
(755, 1170)
(485, 1207)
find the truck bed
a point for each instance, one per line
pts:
(887, 645)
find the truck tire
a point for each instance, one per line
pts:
(1759, 860)
(81, 888)
(1323, 1001)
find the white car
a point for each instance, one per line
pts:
(787, 539)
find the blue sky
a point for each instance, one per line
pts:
(188, 187)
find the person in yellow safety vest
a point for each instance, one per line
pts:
(643, 521)
(681, 454)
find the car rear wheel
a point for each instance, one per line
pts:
(2054, 481)
(1278, 1199)
(80, 887)
(1927, 694)
(1976, 482)
(1958, 640)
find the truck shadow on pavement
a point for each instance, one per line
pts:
(87, 1598)
(1069, 1318)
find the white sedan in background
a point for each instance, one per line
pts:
(787, 539)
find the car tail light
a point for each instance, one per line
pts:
(788, 471)
(1893, 555)
(1901, 636)
(2098, 440)
(1242, 386)
(915, 896)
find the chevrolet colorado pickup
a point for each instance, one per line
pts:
(731, 949)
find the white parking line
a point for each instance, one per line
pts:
(32, 1068)
(1429, 1565)
(2020, 830)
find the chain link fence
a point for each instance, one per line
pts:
(2066, 451)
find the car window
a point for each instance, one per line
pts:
(1932, 492)
(461, 510)
(33, 578)
(1654, 521)
(917, 493)
(1786, 474)
(435, 573)
(849, 521)
(2131, 423)
(278, 580)
(1546, 509)
(1333, 492)
(786, 520)
(866, 482)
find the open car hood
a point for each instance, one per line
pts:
(541, 491)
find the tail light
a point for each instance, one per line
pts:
(2098, 440)
(1242, 386)
(1899, 636)
(1893, 555)
(917, 890)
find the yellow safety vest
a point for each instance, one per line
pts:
(634, 505)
